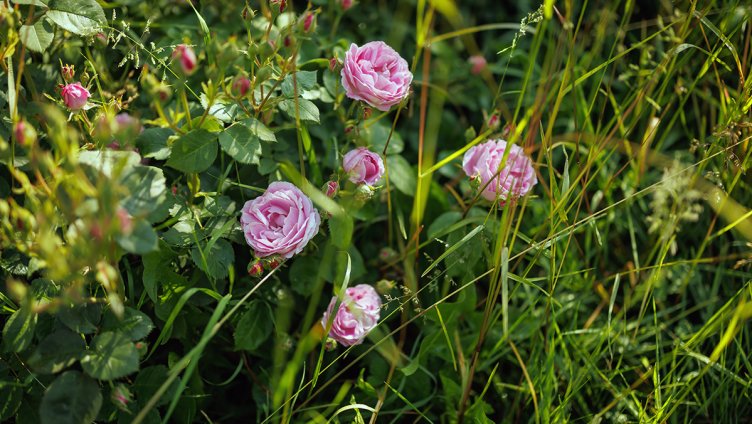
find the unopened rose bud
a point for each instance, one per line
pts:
(278, 5)
(24, 133)
(364, 192)
(125, 220)
(384, 286)
(68, 72)
(334, 64)
(493, 121)
(330, 344)
(247, 13)
(346, 4)
(367, 111)
(508, 128)
(187, 58)
(96, 232)
(255, 269)
(101, 39)
(241, 85)
(387, 254)
(477, 64)
(331, 188)
(272, 263)
(121, 397)
(75, 96)
(142, 348)
(288, 41)
(308, 21)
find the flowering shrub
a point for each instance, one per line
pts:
(393, 211)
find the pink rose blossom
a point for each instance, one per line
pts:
(187, 58)
(517, 177)
(363, 166)
(357, 315)
(478, 64)
(75, 96)
(376, 74)
(281, 221)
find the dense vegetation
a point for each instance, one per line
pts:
(190, 232)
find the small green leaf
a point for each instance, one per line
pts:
(142, 238)
(147, 190)
(135, 324)
(72, 398)
(194, 152)
(57, 351)
(81, 318)
(216, 259)
(19, 330)
(11, 396)
(152, 143)
(112, 356)
(402, 175)
(306, 80)
(149, 380)
(307, 109)
(81, 17)
(260, 130)
(37, 37)
(254, 326)
(239, 142)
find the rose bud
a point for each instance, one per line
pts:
(121, 397)
(68, 73)
(376, 74)
(346, 4)
(255, 269)
(493, 121)
(357, 315)
(364, 193)
(101, 39)
(333, 64)
(241, 85)
(75, 96)
(308, 21)
(331, 188)
(367, 111)
(24, 133)
(187, 58)
(363, 166)
(478, 64)
(279, 5)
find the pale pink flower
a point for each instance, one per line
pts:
(75, 96)
(517, 177)
(358, 314)
(281, 221)
(363, 166)
(376, 74)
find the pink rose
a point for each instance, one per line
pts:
(478, 64)
(376, 74)
(515, 179)
(75, 96)
(357, 315)
(187, 58)
(363, 166)
(279, 222)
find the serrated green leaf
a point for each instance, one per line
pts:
(56, 352)
(19, 330)
(81, 318)
(37, 37)
(306, 80)
(112, 355)
(81, 17)
(72, 398)
(260, 130)
(254, 326)
(193, 152)
(152, 143)
(402, 175)
(216, 259)
(241, 144)
(307, 109)
(142, 238)
(134, 324)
